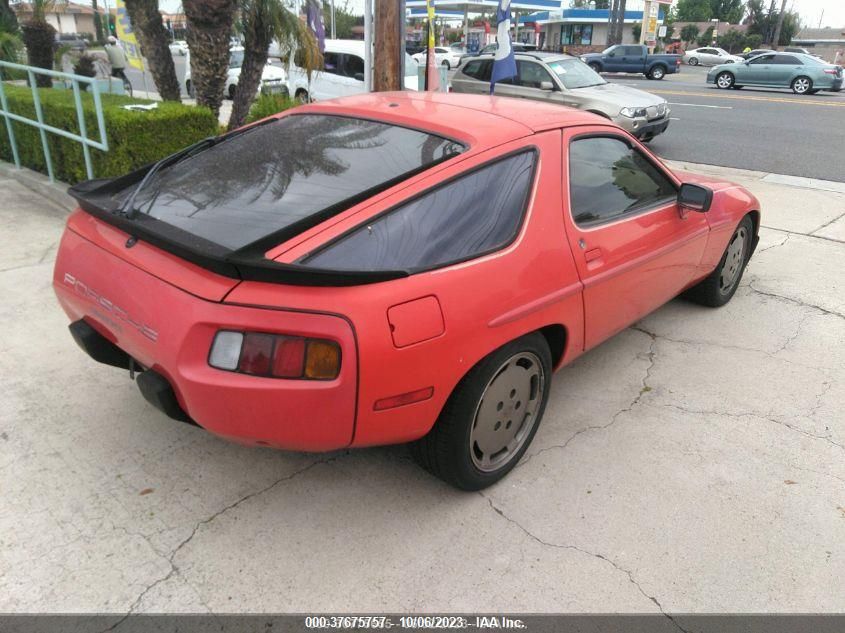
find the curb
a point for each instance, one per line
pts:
(800, 182)
(55, 192)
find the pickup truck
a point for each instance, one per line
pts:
(627, 58)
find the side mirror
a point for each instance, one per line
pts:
(695, 197)
(612, 54)
(547, 85)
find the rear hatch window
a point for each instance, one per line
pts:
(271, 179)
(222, 206)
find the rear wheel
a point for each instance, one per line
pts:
(725, 80)
(302, 96)
(802, 85)
(693, 61)
(718, 288)
(658, 72)
(491, 417)
(446, 64)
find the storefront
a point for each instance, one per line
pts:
(578, 30)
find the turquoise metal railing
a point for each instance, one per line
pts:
(83, 138)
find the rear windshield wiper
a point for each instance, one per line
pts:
(129, 209)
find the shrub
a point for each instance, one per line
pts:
(135, 138)
(268, 105)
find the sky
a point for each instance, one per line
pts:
(810, 10)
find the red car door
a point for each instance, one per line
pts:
(633, 246)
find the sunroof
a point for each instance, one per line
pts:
(281, 174)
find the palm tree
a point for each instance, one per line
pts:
(39, 37)
(209, 31)
(154, 41)
(262, 21)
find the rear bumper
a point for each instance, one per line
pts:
(135, 315)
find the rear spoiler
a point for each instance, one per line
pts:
(98, 198)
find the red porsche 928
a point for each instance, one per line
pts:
(389, 268)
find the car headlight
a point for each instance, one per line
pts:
(661, 109)
(632, 112)
(583, 59)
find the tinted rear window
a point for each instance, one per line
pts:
(474, 214)
(286, 172)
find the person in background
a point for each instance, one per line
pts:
(117, 59)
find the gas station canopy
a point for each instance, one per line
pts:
(457, 8)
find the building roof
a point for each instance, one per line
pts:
(59, 8)
(826, 35)
(581, 16)
(724, 27)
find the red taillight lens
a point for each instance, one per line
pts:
(275, 355)
(830, 71)
(256, 353)
(289, 357)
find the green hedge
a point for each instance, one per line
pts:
(268, 105)
(135, 138)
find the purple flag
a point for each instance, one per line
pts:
(314, 19)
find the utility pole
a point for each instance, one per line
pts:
(389, 46)
(776, 38)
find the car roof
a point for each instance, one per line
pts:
(345, 46)
(481, 121)
(539, 55)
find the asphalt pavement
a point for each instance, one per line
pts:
(754, 128)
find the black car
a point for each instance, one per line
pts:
(518, 47)
(755, 52)
(75, 41)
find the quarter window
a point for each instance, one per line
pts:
(477, 213)
(787, 60)
(608, 179)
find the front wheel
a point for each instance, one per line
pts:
(491, 417)
(725, 80)
(718, 287)
(802, 85)
(658, 72)
(595, 67)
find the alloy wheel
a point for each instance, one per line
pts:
(734, 259)
(506, 412)
(801, 85)
(724, 80)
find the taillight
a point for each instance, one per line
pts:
(830, 71)
(275, 355)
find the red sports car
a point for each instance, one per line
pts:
(390, 268)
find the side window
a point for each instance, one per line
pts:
(608, 178)
(479, 69)
(763, 59)
(331, 63)
(352, 66)
(532, 75)
(633, 51)
(787, 60)
(475, 214)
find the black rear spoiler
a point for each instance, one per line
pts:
(98, 198)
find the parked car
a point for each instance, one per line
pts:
(755, 52)
(804, 74)
(490, 49)
(390, 267)
(273, 78)
(448, 57)
(629, 58)
(710, 56)
(568, 81)
(73, 40)
(179, 47)
(342, 74)
(799, 49)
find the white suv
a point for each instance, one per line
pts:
(273, 78)
(342, 74)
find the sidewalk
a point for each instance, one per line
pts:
(692, 463)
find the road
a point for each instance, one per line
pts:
(755, 128)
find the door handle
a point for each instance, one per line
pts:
(593, 254)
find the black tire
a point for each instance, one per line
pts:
(447, 452)
(711, 291)
(736, 87)
(189, 88)
(232, 89)
(446, 64)
(302, 96)
(725, 80)
(658, 72)
(595, 67)
(693, 61)
(814, 91)
(802, 85)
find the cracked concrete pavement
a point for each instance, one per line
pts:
(693, 463)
